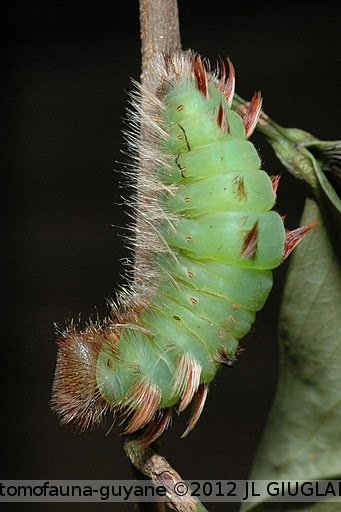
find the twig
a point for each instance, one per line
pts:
(160, 32)
(156, 467)
(288, 144)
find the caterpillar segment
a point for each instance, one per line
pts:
(207, 239)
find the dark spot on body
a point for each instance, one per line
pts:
(182, 168)
(250, 244)
(239, 190)
(186, 139)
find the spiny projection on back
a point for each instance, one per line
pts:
(205, 240)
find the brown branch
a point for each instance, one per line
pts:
(157, 468)
(160, 32)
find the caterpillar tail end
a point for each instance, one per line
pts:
(76, 397)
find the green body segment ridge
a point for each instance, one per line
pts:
(221, 243)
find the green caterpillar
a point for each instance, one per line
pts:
(206, 243)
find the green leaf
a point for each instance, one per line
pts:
(302, 439)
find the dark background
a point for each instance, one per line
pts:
(67, 68)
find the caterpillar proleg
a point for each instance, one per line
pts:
(206, 240)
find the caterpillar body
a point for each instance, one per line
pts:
(206, 242)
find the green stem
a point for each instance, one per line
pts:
(289, 146)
